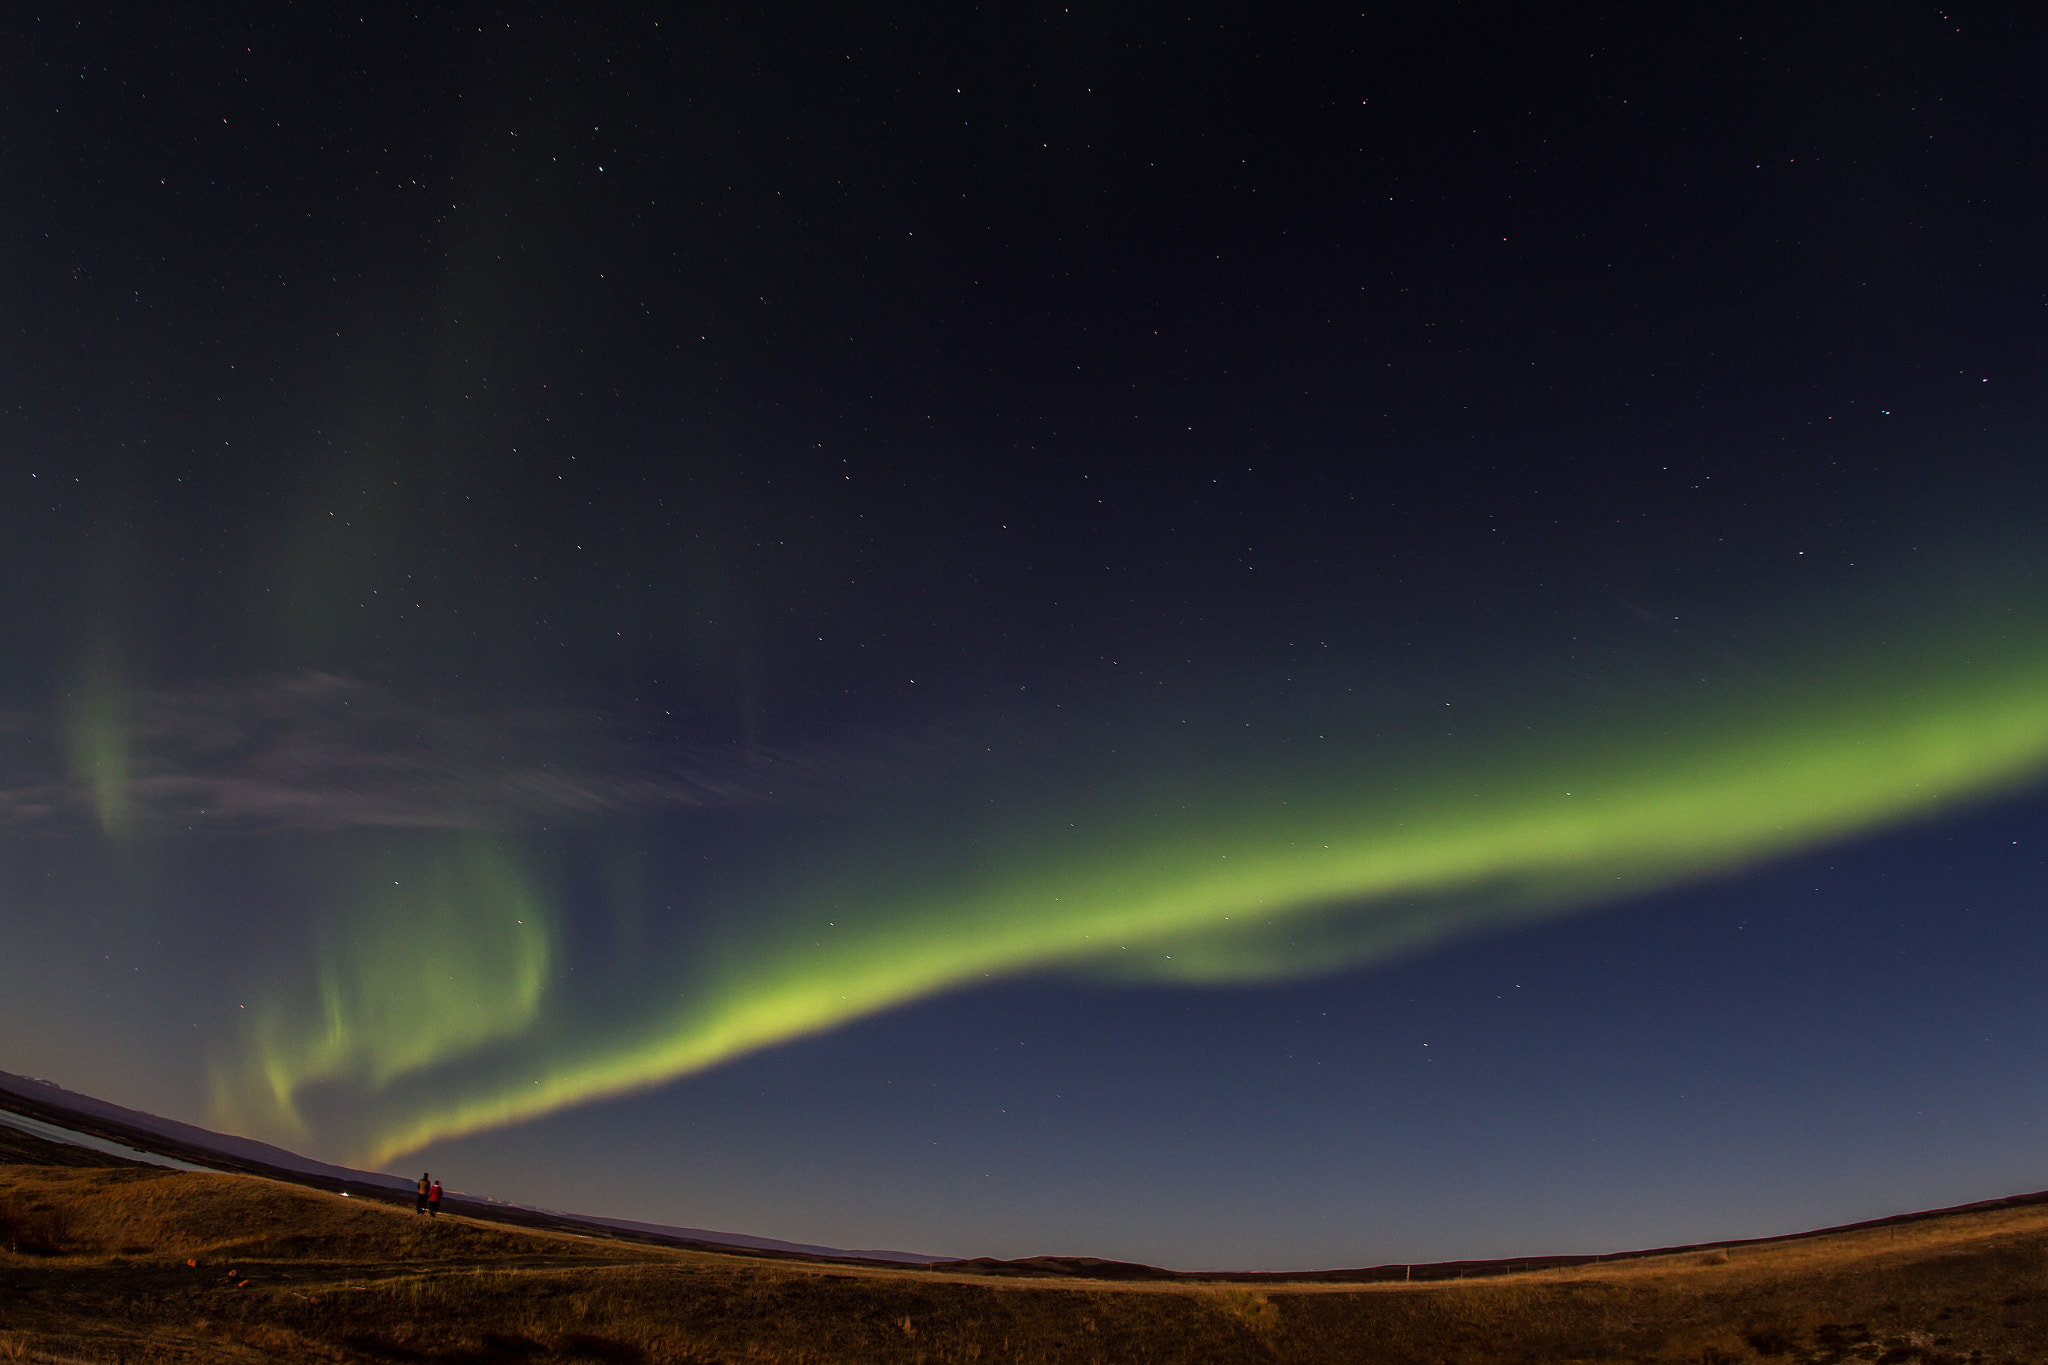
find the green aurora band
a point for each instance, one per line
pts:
(96, 741)
(1278, 875)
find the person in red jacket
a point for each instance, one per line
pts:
(434, 1201)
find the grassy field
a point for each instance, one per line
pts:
(115, 1262)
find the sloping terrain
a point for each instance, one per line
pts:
(102, 1260)
(67, 1115)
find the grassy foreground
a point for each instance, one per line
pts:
(114, 1262)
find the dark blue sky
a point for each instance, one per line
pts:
(1847, 1034)
(1224, 638)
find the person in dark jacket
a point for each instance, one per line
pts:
(434, 1201)
(420, 1204)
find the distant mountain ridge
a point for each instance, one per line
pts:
(49, 1106)
(34, 1088)
(52, 1106)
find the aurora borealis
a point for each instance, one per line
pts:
(1329, 871)
(1216, 640)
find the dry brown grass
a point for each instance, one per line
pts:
(282, 1273)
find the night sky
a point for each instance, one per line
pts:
(1233, 636)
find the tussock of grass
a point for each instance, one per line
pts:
(289, 1274)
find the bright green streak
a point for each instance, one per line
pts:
(450, 954)
(1250, 886)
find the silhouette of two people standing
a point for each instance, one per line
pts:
(429, 1201)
